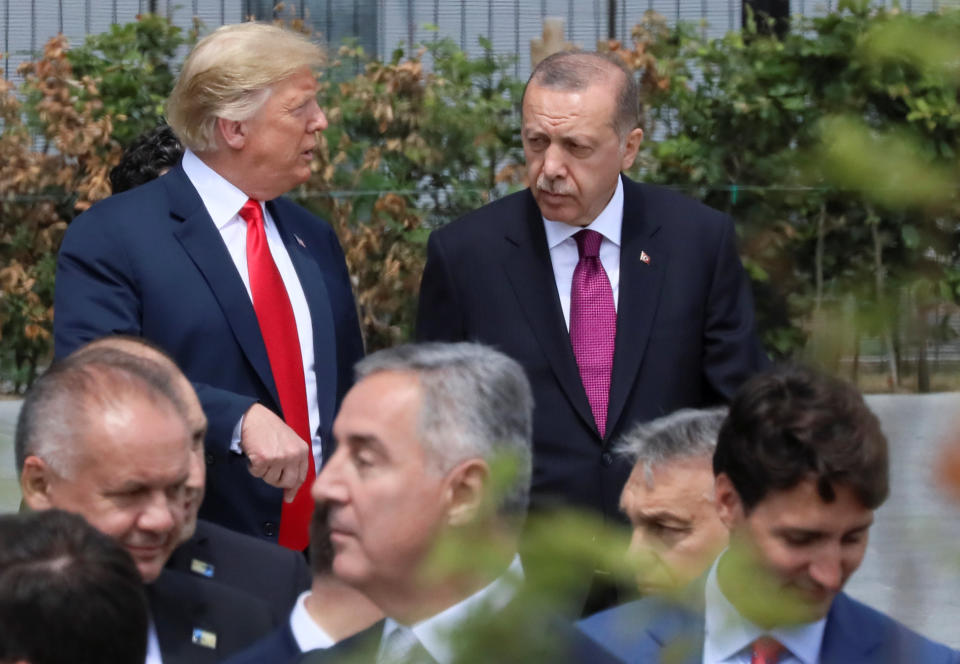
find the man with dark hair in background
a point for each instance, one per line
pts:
(327, 613)
(151, 154)
(801, 464)
(68, 593)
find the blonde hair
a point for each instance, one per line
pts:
(230, 73)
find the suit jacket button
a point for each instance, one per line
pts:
(269, 528)
(607, 459)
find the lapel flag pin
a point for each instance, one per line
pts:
(202, 637)
(299, 241)
(202, 568)
(645, 257)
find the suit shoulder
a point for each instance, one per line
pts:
(490, 219)
(129, 208)
(295, 214)
(853, 619)
(665, 203)
(277, 646)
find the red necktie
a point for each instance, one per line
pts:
(279, 330)
(593, 325)
(766, 650)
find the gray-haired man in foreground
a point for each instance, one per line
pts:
(411, 488)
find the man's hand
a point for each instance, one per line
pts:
(277, 454)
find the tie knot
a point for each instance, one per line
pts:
(251, 212)
(766, 650)
(588, 243)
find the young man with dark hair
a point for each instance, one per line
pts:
(801, 464)
(67, 593)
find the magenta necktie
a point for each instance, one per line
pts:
(593, 325)
(278, 326)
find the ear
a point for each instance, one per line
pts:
(233, 132)
(466, 491)
(36, 483)
(729, 505)
(631, 146)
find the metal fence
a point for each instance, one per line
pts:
(380, 26)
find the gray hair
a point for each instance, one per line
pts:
(578, 70)
(475, 403)
(56, 411)
(683, 434)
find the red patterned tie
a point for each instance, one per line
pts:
(279, 330)
(593, 325)
(766, 650)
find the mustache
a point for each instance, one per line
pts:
(554, 185)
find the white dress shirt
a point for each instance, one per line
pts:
(306, 632)
(153, 645)
(564, 253)
(728, 635)
(223, 202)
(434, 632)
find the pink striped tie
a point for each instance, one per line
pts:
(593, 325)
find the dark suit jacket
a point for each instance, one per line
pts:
(685, 325)
(643, 631)
(265, 570)
(276, 648)
(188, 611)
(150, 262)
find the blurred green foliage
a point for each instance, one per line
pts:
(835, 149)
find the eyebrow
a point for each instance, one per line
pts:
(662, 515)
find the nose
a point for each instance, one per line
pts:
(827, 569)
(319, 121)
(328, 487)
(161, 513)
(553, 162)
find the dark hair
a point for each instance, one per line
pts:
(577, 70)
(791, 424)
(150, 154)
(321, 548)
(68, 593)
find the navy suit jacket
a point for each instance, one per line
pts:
(265, 570)
(150, 262)
(200, 622)
(654, 630)
(685, 325)
(278, 647)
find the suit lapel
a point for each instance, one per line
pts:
(203, 243)
(640, 282)
(176, 616)
(530, 272)
(321, 316)
(847, 638)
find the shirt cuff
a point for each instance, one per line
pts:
(235, 440)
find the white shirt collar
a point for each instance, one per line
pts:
(727, 632)
(434, 632)
(608, 223)
(306, 632)
(221, 198)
